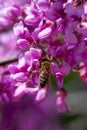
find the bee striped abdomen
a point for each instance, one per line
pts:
(43, 79)
(44, 72)
(77, 3)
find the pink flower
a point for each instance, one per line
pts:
(41, 94)
(60, 72)
(53, 29)
(61, 103)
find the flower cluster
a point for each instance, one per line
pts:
(44, 28)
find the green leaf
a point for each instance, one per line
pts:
(68, 118)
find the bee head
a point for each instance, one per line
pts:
(44, 59)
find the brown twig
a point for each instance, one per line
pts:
(8, 61)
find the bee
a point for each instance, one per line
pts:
(44, 71)
(77, 3)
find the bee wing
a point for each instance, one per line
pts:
(50, 81)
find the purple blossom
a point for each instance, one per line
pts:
(55, 30)
(25, 72)
(41, 94)
(9, 15)
(56, 11)
(22, 89)
(21, 31)
(61, 103)
(82, 72)
(43, 5)
(7, 87)
(23, 44)
(45, 33)
(60, 71)
(75, 13)
(33, 16)
(32, 19)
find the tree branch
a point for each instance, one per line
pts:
(8, 61)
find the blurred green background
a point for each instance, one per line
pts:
(77, 98)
